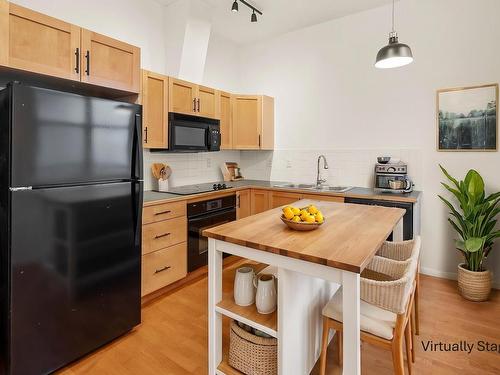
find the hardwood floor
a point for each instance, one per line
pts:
(173, 336)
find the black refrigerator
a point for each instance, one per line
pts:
(70, 225)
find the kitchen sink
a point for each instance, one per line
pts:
(296, 186)
(336, 189)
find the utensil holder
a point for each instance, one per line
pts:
(162, 185)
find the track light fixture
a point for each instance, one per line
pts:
(253, 18)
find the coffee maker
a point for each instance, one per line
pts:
(392, 178)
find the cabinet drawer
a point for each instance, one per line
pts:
(163, 267)
(156, 236)
(159, 212)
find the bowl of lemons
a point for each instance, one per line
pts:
(305, 218)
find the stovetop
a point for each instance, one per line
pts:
(197, 189)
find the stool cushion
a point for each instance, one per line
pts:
(374, 320)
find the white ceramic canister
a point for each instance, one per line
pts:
(244, 291)
(266, 297)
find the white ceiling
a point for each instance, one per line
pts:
(280, 16)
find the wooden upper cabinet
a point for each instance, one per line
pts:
(38, 43)
(110, 62)
(226, 128)
(253, 122)
(154, 110)
(192, 99)
(208, 102)
(247, 122)
(182, 95)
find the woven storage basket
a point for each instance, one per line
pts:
(474, 286)
(250, 354)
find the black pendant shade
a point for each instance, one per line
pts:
(235, 6)
(254, 17)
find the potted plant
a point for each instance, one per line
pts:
(475, 222)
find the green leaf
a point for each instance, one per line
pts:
(460, 245)
(445, 172)
(474, 244)
(475, 185)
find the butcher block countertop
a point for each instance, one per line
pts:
(347, 240)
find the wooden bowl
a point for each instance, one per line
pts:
(302, 226)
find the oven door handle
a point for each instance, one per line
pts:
(210, 215)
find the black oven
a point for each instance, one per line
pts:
(192, 133)
(204, 215)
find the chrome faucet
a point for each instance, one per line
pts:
(320, 181)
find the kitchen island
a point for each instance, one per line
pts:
(310, 268)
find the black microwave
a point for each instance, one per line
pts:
(193, 134)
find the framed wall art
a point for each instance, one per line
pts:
(467, 118)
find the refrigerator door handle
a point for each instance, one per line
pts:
(21, 188)
(137, 149)
(138, 197)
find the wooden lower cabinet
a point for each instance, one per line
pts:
(279, 198)
(327, 198)
(243, 204)
(259, 201)
(163, 211)
(163, 267)
(162, 234)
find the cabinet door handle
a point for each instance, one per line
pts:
(238, 198)
(87, 57)
(194, 105)
(198, 104)
(146, 134)
(163, 212)
(162, 269)
(259, 140)
(77, 60)
(162, 235)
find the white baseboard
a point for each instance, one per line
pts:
(449, 275)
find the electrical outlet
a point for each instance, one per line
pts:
(209, 163)
(289, 164)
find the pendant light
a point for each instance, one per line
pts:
(235, 6)
(394, 54)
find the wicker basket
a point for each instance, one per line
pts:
(250, 354)
(474, 286)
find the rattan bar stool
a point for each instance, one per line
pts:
(387, 297)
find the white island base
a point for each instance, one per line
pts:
(350, 238)
(303, 289)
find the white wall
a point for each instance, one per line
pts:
(330, 97)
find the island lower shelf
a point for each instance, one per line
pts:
(267, 323)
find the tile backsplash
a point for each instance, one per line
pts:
(188, 168)
(346, 167)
